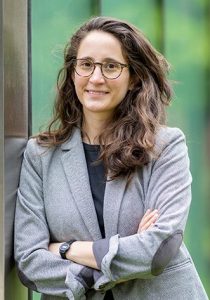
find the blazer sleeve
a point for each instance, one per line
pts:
(146, 254)
(38, 268)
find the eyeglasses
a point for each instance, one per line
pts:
(110, 70)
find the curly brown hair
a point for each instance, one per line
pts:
(128, 141)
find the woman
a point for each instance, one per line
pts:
(88, 181)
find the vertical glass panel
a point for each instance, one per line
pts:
(53, 22)
(186, 48)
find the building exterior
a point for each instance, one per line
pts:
(33, 34)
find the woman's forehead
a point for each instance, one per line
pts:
(99, 45)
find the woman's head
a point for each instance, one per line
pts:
(146, 91)
(147, 68)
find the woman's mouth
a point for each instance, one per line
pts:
(95, 92)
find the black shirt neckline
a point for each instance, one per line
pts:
(91, 147)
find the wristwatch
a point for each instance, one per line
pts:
(65, 247)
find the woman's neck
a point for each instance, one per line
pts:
(93, 127)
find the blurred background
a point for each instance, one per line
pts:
(181, 31)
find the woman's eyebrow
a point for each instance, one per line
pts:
(110, 59)
(86, 57)
(106, 59)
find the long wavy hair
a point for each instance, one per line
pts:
(129, 139)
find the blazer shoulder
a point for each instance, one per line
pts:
(36, 156)
(35, 151)
(166, 136)
(33, 147)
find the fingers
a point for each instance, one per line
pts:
(149, 224)
(148, 220)
(148, 215)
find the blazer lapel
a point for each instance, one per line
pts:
(112, 201)
(74, 164)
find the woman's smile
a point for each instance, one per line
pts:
(96, 92)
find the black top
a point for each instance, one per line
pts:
(97, 181)
(97, 184)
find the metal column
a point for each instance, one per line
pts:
(14, 120)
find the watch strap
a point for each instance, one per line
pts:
(63, 253)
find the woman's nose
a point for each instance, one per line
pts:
(97, 75)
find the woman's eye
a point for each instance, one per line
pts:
(111, 66)
(86, 64)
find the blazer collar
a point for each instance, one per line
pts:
(74, 164)
(113, 197)
(74, 141)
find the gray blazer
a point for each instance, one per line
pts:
(55, 204)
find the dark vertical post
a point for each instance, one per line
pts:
(160, 32)
(13, 132)
(29, 41)
(207, 110)
(207, 116)
(1, 154)
(96, 7)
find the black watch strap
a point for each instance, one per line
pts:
(65, 247)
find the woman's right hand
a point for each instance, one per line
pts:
(148, 220)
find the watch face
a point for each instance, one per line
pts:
(64, 247)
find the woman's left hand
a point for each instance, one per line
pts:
(148, 220)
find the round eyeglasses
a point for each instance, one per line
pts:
(110, 70)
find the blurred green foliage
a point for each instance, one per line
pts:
(181, 30)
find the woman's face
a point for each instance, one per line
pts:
(97, 94)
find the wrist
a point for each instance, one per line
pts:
(81, 252)
(71, 253)
(79, 249)
(64, 248)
